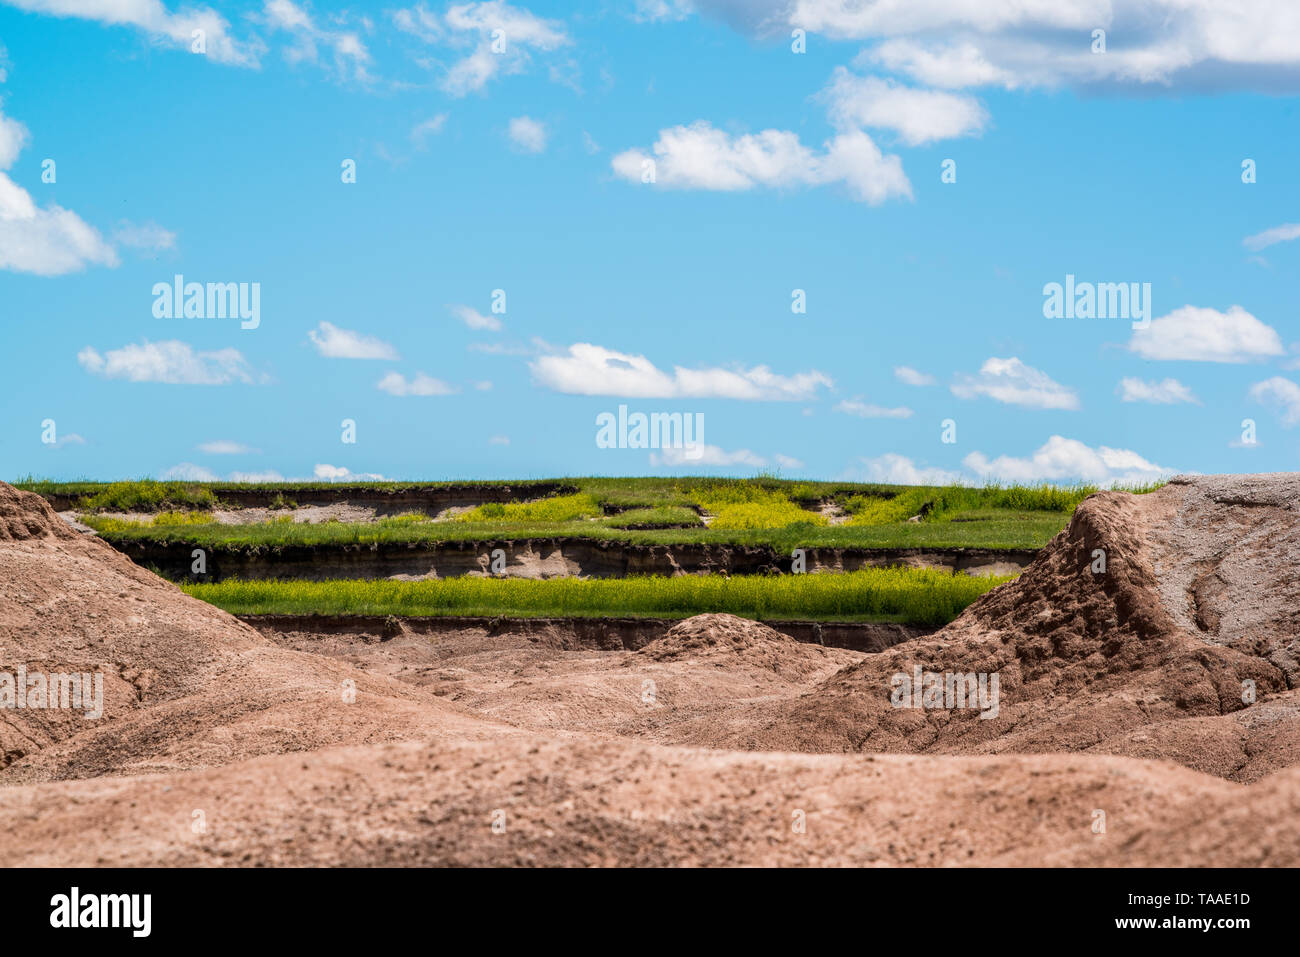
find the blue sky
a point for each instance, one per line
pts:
(520, 169)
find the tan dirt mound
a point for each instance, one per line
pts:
(726, 641)
(546, 683)
(1197, 609)
(184, 684)
(611, 802)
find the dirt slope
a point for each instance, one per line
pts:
(1200, 598)
(185, 684)
(618, 802)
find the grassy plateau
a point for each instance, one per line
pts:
(761, 511)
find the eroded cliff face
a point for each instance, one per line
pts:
(550, 558)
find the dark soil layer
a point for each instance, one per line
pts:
(543, 558)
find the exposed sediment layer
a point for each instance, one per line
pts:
(545, 558)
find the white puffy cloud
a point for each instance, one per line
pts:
(189, 472)
(528, 134)
(470, 27)
(1280, 393)
(706, 455)
(171, 362)
(588, 369)
(1169, 44)
(702, 157)
(1013, 382)
(865, 410)
(151, 16)
(335, 343)
(13, 137)
(270, 475)
(917, 116)
(47, 241)
(947, 65)
(1062, 459)
(1164, 392)
(475, 319)
(1278, 234)
(394, 383)
(894, 469)
(910, 376)
(1207, 335)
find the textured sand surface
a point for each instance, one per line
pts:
(1121, 699)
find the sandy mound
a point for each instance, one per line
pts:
(699, 667)
(1197, 609)
(612, 802)
(725, 641)
(184, 684)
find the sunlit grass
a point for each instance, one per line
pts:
(558, 508)
(912, 596)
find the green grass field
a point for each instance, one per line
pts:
(908, 596)
(761, 511)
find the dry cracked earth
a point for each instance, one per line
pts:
(1147, 714)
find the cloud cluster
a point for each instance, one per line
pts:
(46, 241)
(1013, 382)
(394, 383)
(705, 455)
(1165, 392)
(917, 116)
(1280, 393)
(335, 343)
(865, 410)
(700, 156)
(475, 319)
(496, 39)
(587, 369)
(350, 56)
(172, 362)
(1062, 459)
(1016, 44)
(909, 376)
(1207, 335)
(151, 16)
(1269, 237)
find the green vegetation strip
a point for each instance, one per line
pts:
(1003, 530)
(908, 596)
(763, 511)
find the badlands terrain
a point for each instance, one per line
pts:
(1148, 714)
